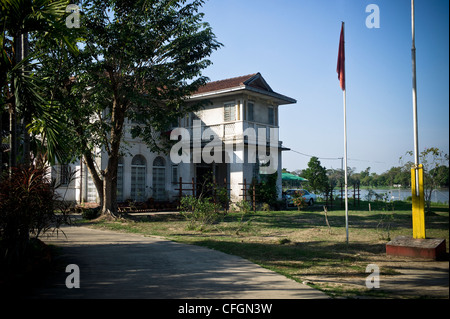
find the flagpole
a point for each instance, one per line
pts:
(414, 93)
(344, 93)
(341, 76)
(345, 163)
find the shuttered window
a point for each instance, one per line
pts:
(250, 111)
(271, 116)
(229, 112)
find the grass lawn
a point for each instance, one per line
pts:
(301, 246)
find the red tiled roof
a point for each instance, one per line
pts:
(252, 82)
(225, 84)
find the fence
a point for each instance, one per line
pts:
(204, 189)
(196, 188)
(252, 190)
(329, 196)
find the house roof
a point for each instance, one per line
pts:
(251, 82)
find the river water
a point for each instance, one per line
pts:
(438, 196)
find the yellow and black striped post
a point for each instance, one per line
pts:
(418, 202)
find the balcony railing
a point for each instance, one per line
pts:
(224, 131)
(232, 130)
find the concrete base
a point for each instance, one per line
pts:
(429, 248)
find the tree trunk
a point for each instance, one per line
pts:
(109, 208)
(27, 111)
(26, 139)
(1, 141)
(110, 188)
(12, 137)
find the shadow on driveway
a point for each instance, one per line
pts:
(127, 266)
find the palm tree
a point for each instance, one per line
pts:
(20, 87)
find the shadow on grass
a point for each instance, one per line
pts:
(306, 219)
(314, 251)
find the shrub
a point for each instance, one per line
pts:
(298, 199)
(245, 208)
(265, 207)
(28, 206)
(91, 213)
(267, 190)
(199, 212)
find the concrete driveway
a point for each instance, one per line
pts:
(118, 265)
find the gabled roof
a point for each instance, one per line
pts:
(252, 82)
(225, 84)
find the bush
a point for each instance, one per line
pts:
(266, 191)
(91, 213)
(199, 212)
(298, 199)
(28, 206)
(245, 208)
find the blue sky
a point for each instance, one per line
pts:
(294, 45)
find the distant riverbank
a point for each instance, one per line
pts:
(394, 193)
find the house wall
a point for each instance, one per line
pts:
(139, 148)
(210, 115)
(71, 191)
(214, 114)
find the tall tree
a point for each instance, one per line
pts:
(140, 60)
(316, 175)
(21, 89)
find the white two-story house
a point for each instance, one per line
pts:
(225, 141)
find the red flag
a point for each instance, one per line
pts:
(341, 60)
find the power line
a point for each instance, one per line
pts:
(327, 158)
(337, 158)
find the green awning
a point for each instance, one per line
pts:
(292, 177)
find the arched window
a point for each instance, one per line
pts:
(120, 180)
(159, 178)
(138, 170)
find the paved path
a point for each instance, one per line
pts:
(118, 265)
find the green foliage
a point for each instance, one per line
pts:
(142, 63)
(298, 200)
(372, 195)
(139, 61)
(90, 213)
(316, 175)
(435, 171)
(267, 190)
(265, 207)
(24, 87)
(245, 209)
(199, 212)
(29, 207)
(384, 226)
